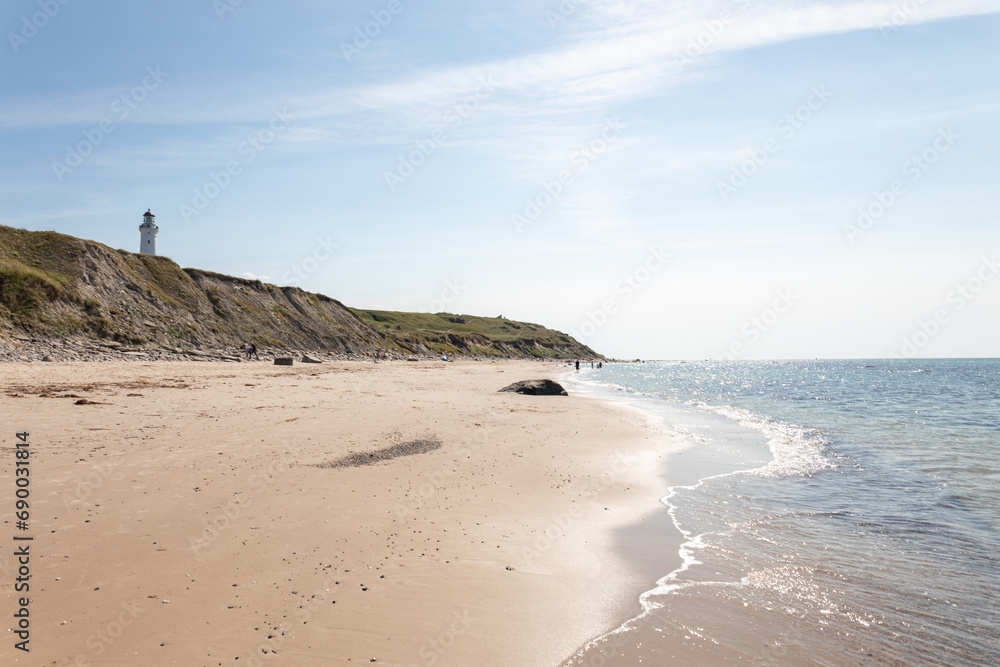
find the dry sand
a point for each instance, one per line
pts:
(182, 519)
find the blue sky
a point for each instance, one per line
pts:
(745, 179)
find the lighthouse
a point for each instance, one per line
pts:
(147, 232)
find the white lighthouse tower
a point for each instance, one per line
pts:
(147, 231)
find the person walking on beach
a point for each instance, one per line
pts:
(577, 364)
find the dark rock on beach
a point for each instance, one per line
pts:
(537, 388)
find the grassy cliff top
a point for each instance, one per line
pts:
(448, 332)
(56, 286)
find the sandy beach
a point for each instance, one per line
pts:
(220, 514)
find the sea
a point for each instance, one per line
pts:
(832, 512)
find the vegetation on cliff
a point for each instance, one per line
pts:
(54, 286)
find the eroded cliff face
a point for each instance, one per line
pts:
(55, 287)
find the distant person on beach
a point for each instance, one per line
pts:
(252, 351)
(577, 364)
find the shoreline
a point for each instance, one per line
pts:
(808, 546)
(659, 547)
(198, 483)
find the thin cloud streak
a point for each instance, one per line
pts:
(638, 59)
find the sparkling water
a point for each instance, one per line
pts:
(850, 514)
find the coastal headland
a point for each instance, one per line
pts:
(72, 299)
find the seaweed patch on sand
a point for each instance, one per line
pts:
(406, 448)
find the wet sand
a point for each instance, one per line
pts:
(185, 516)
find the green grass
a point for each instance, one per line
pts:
(47, 251)
(478, 335)
(25, 289)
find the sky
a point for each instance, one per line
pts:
(726, 179)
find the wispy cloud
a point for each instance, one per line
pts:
(544, 103)
(631, 55)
